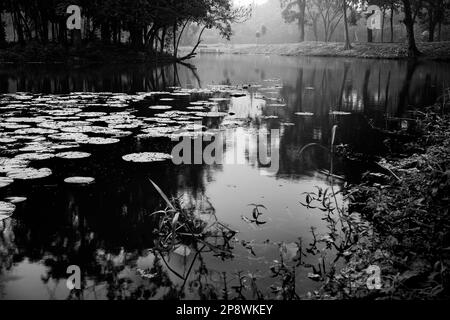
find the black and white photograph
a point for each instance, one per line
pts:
(249, 152)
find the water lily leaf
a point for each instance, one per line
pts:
(79, 180)
(73, 155)
(306, 114)
(146, 157)
(5, 181)
(160, 107)
(29, 173)
(16, 200)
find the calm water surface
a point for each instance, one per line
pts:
(107, 229)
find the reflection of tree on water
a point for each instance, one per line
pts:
(307, 96)
(7, 246)
(405, 90)
(115, 78)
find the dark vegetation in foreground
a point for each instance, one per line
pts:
(408, 210)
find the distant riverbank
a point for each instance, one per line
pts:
(432, 51)
(97, 53)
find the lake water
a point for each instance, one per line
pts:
(108, 229)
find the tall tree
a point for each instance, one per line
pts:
(409, 22)
(331, 14)
(313, 17)
(434, 14)
(393, 4)
(2, 27)
(347, 45)
(295, 11)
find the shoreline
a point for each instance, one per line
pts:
(438, 51)
(101, 54)
(84, 55)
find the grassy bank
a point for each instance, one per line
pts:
(408, 210)
(434, 51)
(94, 53)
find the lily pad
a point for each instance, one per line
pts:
(99, 141)
(157, 132)
(5, 181)
(67, 136)
(16, 200)
(180, 94)
(216, 114)
(147, 157)
(7, 165)
(160, 107)
(340, 113)
(29, 173)
(73, 155)
(80, 180)
(91, 114)
(35, 156)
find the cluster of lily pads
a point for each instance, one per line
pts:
(36, 128)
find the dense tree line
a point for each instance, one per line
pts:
(430, 14)
(157, 25)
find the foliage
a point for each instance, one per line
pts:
(148, 22)
(294, 11)
(409, 239)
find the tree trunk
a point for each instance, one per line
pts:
(136, 36)
(382, 25)
(404, 92)
(369, 35)
(392, 22)
(18, 28)
(2, 32)
(174, 31)
(431, 32)
(316, 36)
(163, 40)
(44, 27)
(348, 45)
(431, 24)
(62, 32)
(301, 20)
(192, 53)
(409, 23)
(440, 31)
(105, 31)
